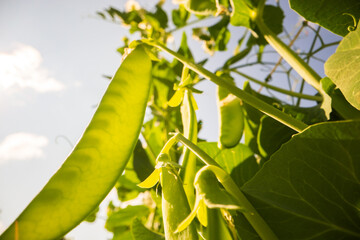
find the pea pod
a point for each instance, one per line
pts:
(175, 207)
(231, 118)
(96, 162)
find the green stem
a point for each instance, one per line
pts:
(168, 145)
(254, 218)
(189, 120)
(281, 90)
(196, 150)
(307, 61)
(303, 69)
(246, 97)
(188, 24)
(250, 213)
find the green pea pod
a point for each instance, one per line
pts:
(96, 162)
(175, 206)
(231, 118)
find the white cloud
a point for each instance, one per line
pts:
(22, 69)
(2, 228)
(22, 146)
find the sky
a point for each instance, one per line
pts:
(52, 57)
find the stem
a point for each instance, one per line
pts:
(287, 92)
(290, 44)
(196, 150)
(303, 69)
(189, 120)
(188, 24)
(250, 213)
(246, 97)
(168, 145)
(308, 60)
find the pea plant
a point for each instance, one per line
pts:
(282, 168)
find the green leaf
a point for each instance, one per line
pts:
(126, 186)
(141, 162)
(271, 135)
(180, 16)
(125, 216)
(215, 37)
(97, 161)
(310, 188)
(153, 134)
(253, 116)
(201, 7)
(122, 233)
(185, 51)
(140, 232)
(239, 161)
(329, 13)
(343, 67)
(241, 14)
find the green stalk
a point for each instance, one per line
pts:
(281, 90)
(189, 120)
(254, 218)
(250, 213)
(246, 97)
(293, 59)
(301, 67)
(196, 150)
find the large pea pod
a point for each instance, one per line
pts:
(175, 206)
(96, 162)
(231, 117)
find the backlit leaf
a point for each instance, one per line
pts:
(343, 67)
(329, 13)
(310, 188)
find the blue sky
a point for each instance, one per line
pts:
(52, 58)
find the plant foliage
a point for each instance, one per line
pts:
(283, 168)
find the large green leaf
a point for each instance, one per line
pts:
(329, 13)
(310, 188)
(343, 67)
(99, 158)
